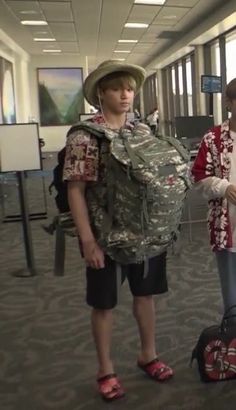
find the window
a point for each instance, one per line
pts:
(216, 70)
(181, 89)
(189, 86)
(230, 51)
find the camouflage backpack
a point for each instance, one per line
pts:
(136, 213)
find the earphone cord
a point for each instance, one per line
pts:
(104, 117)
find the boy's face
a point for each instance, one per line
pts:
(117, 99)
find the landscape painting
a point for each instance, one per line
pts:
(60, 95)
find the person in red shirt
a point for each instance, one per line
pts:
(214, 172)
(111, 88)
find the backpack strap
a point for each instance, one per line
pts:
(95, 129)
(178, 146)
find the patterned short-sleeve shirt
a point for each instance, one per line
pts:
(85, 157)
(82, 159)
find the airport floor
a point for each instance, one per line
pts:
(47, 358)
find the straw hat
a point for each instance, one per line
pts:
(108, 67)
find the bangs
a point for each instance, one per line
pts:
(230, 91)
(117, 79)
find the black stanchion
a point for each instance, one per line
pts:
(28, 244)
(211, 108)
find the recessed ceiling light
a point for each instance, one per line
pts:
(121, 51)
(171, 17)
(136, 25)
(48, 50)
(34, 23)
(41, 32)
(44, 39)
(118, 59)
(127, 41)
(28, 12)
(152, 2)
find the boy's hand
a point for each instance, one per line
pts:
(230, 194)
(93, 254)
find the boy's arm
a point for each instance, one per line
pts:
(93, 254)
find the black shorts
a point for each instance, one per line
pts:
(102, 283)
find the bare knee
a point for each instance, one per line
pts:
(143, 300)
(102, 313)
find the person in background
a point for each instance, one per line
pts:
(111, 87)
(152, 120)
(137, 115)
(214, 172)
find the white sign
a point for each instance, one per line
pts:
(19, 147)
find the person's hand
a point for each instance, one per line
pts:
(230, 193)
(93, 254)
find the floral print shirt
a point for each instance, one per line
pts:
(82, 161)
(213, 159)
(86, 155)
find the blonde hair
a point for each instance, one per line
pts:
(117, 79)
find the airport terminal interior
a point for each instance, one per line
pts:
(47, 49)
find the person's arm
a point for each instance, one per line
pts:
(92, 252)
(209, 185)
(212, 187)
(77, 173)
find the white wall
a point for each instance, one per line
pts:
(26, 86)
(20, 60)
(54, 137)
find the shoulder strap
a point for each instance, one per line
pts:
(97, 130)
(178, 146)
(93, 128)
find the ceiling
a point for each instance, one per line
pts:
(92, 28)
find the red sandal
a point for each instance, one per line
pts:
(110, 388)
(157, 370)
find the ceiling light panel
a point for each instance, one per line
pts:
(34, 23)
(44, 39)
(151, 2)
(136, 25)
(127, 41)
(48, 50)
(57, 11)
(121, 51)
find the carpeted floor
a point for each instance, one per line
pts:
(47, 358)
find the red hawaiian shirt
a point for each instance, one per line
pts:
(213, 160)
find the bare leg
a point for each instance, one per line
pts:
(102, 321)
(144, 312)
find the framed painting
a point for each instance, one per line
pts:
(7, 93)
(61, 97)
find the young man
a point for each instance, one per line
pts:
(214, 171)
(111, 88)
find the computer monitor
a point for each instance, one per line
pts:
(211, 84)
(191, 129)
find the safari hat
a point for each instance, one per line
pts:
(108, 67)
